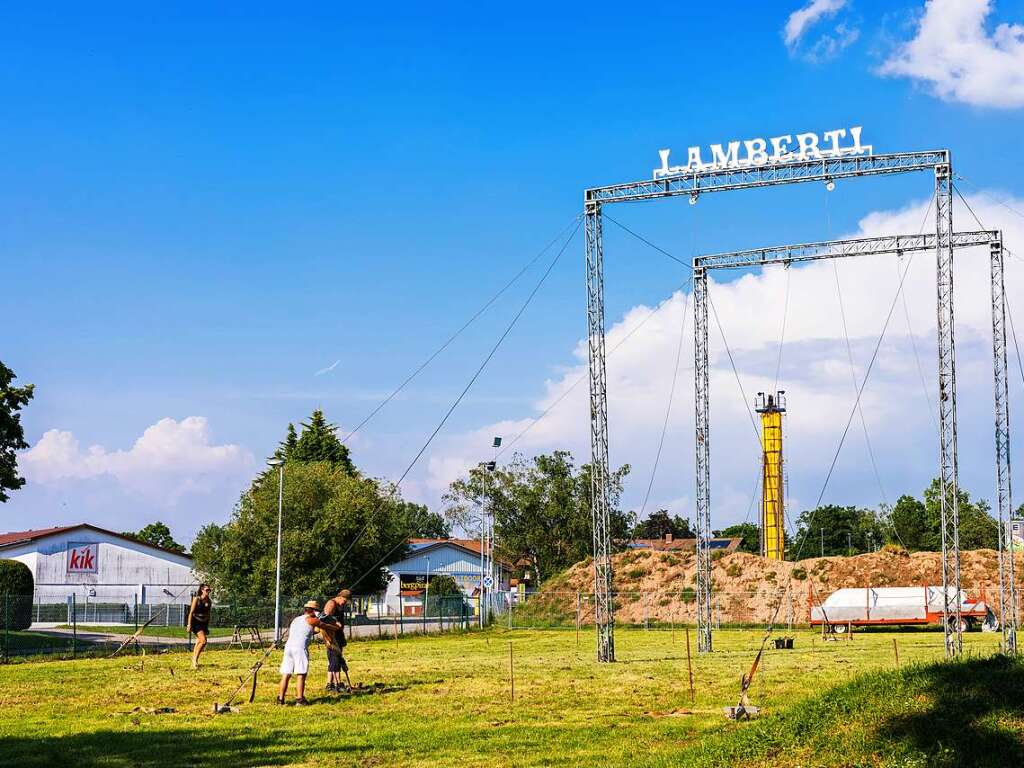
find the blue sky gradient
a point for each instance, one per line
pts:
(200, 209)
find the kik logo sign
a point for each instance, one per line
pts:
(83, 558)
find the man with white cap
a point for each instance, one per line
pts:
(296, 654)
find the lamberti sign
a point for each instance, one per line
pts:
(752, 153)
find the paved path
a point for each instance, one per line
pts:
(152, 634)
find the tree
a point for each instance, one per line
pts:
(12, 436)
(978, 529)
(749, 533)
(843, 530)
(423, 523)
(910, 523)
(541, 509)
(286, 447)
(318, 442)
(158, 535)
(659, 523)
(16, 588)
(339, 530)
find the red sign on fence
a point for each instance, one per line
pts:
(83, 558)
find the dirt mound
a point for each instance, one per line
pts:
(659, 586)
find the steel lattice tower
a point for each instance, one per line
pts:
(604, 607)
(1004, 497)
(948, 495)
(703, 462)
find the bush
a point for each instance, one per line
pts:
(799, 574)
(734, 570)
(16, 588)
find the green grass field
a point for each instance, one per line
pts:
(447, 701)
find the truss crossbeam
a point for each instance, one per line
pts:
(833, 249)
(826, 169)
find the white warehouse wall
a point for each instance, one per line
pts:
(126, 570)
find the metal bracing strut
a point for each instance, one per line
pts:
(948, 495)
(1004, 497)
(703, 465)
(604, 608)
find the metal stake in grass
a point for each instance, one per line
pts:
(896, 650)
(689, 664)
(511, 673)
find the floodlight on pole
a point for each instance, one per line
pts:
(279, 463)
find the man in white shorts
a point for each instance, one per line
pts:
(296, 655)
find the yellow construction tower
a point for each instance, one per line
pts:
(773, 530)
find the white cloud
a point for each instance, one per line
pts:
(803, 19)
(954, 53)
(830, 45)
(170, 459)
(815, 373)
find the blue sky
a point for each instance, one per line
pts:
(201, 209)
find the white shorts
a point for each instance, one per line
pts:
(295, 661)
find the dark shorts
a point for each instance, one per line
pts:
(195, 627)
(335, 661)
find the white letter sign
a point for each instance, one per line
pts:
(809, 146)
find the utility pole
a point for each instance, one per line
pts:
(822, 531)
(279, 463)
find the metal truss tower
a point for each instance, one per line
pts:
(949, 498)
(604, 606)
(703, 460)
(826, 170)
(1008, 618)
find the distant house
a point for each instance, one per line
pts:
(671, 544)
(99, 566)
(458, 558)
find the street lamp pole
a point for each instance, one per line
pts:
(279, 463)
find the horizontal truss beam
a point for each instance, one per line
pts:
(832, 249)
(824, 169)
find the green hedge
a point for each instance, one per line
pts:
(16, 588)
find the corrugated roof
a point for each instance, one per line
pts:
(473, 545)
(17, 537)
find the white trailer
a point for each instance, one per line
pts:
(873, 606)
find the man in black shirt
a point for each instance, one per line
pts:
(334, 614)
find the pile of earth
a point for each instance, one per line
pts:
(659, 586)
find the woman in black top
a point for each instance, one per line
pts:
(199, 621)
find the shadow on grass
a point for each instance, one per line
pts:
(141, 749)
(968, 714)
(974, 715)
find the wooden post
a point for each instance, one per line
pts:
(511, 673)
(577, 619)
(896, 650)
(689, 664)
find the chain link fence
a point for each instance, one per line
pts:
(31, 629)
